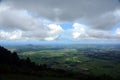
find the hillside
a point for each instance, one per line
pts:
(12, 68)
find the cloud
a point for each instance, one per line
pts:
(40, 19)
(21, 24)
(11, 18)
(78, 30)
(54, 31)
(105, 21)
(82, 32)
(99, 35)
(15, 35)
(117, 32)
(71, 9)
(0, 0)
(99, 14)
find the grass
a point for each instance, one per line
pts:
(67, 58)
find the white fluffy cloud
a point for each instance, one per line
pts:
(21, 24)
(78, 30)
(82, 32)
(54, 30)
(117, 32)
(15, 35)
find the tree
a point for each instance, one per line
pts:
(28, 60)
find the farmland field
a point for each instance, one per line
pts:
(88, 59)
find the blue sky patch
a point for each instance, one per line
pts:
(115, 28)
(66, 26)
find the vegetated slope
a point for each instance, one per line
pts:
(12, 68)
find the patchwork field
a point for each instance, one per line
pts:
(88, 59)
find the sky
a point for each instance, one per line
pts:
(59, 20)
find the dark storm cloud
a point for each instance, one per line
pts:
(72, 10)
